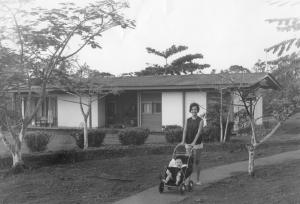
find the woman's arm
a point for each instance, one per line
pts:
(199, 131)
(184, 133)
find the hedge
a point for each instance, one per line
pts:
(133, 136)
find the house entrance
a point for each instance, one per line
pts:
(121, 110)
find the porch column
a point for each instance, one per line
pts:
(23, 107)
(139, 109)
(183, 108)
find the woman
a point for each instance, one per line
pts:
(191, 135)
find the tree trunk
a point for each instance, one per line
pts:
(251, 152)
(18, 164)
(221, 116)
(17, 158)
(85, 135)
(226, 127)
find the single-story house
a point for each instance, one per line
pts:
(149, 101)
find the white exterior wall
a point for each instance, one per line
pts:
(258, 111)
(69, 113)
(172, 108)
(197, 97)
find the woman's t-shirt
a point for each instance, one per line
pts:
(192, 129)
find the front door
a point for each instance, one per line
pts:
(151, 111)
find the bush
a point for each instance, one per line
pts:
(212, 133)
(173, 133)
(133, 136)
(95, 138)
(37, 141)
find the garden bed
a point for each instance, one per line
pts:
(78, 155)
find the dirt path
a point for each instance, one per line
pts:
(207, 176)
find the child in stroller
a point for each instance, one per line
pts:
(177, 174)
(175, 168)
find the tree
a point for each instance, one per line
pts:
(85, 85)
(291, 24)
(44, 41)
(287, 73)
(231, 70)
(236, 69)
(182, 65)
(282, 109)
(286, 68)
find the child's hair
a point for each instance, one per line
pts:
(178, 157)
(195, 105)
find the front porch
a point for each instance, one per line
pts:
(121, 110)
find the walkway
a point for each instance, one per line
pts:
(211, 175)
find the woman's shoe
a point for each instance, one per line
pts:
(198, 183)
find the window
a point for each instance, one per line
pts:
(147, 108)
(47, 112)
(151, 107)
(156, 107)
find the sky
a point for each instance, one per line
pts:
(226, 32)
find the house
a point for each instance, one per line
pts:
(149, 101)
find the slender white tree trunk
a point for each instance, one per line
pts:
(17, 151)
(221, 116)
(17, 158)
(14, 149)
(85, 134)
(251, 152)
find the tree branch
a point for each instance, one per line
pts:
(269, 135)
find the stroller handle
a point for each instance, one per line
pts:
(179, 145)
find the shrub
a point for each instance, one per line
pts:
(173, 133)
(95, 137)
(37, 141)
(212, 133)
(133, 136)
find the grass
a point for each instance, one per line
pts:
(105, 181)
(271, 184)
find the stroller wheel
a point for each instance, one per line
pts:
(161, 187)
(190, 185)
(182, 188)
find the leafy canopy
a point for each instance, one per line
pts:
(183, 65)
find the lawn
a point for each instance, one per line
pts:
(105, 181)
(271, 184)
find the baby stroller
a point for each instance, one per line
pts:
(185, 183)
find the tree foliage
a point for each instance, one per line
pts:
(236, 69)
(43, 43)
(186, 64)
(291, 24)
(287, 72)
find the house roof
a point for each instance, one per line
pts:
(195, 81)
(201, 81)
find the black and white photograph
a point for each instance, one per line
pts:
(149, 101)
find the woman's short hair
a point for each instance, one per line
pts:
(194, 105)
